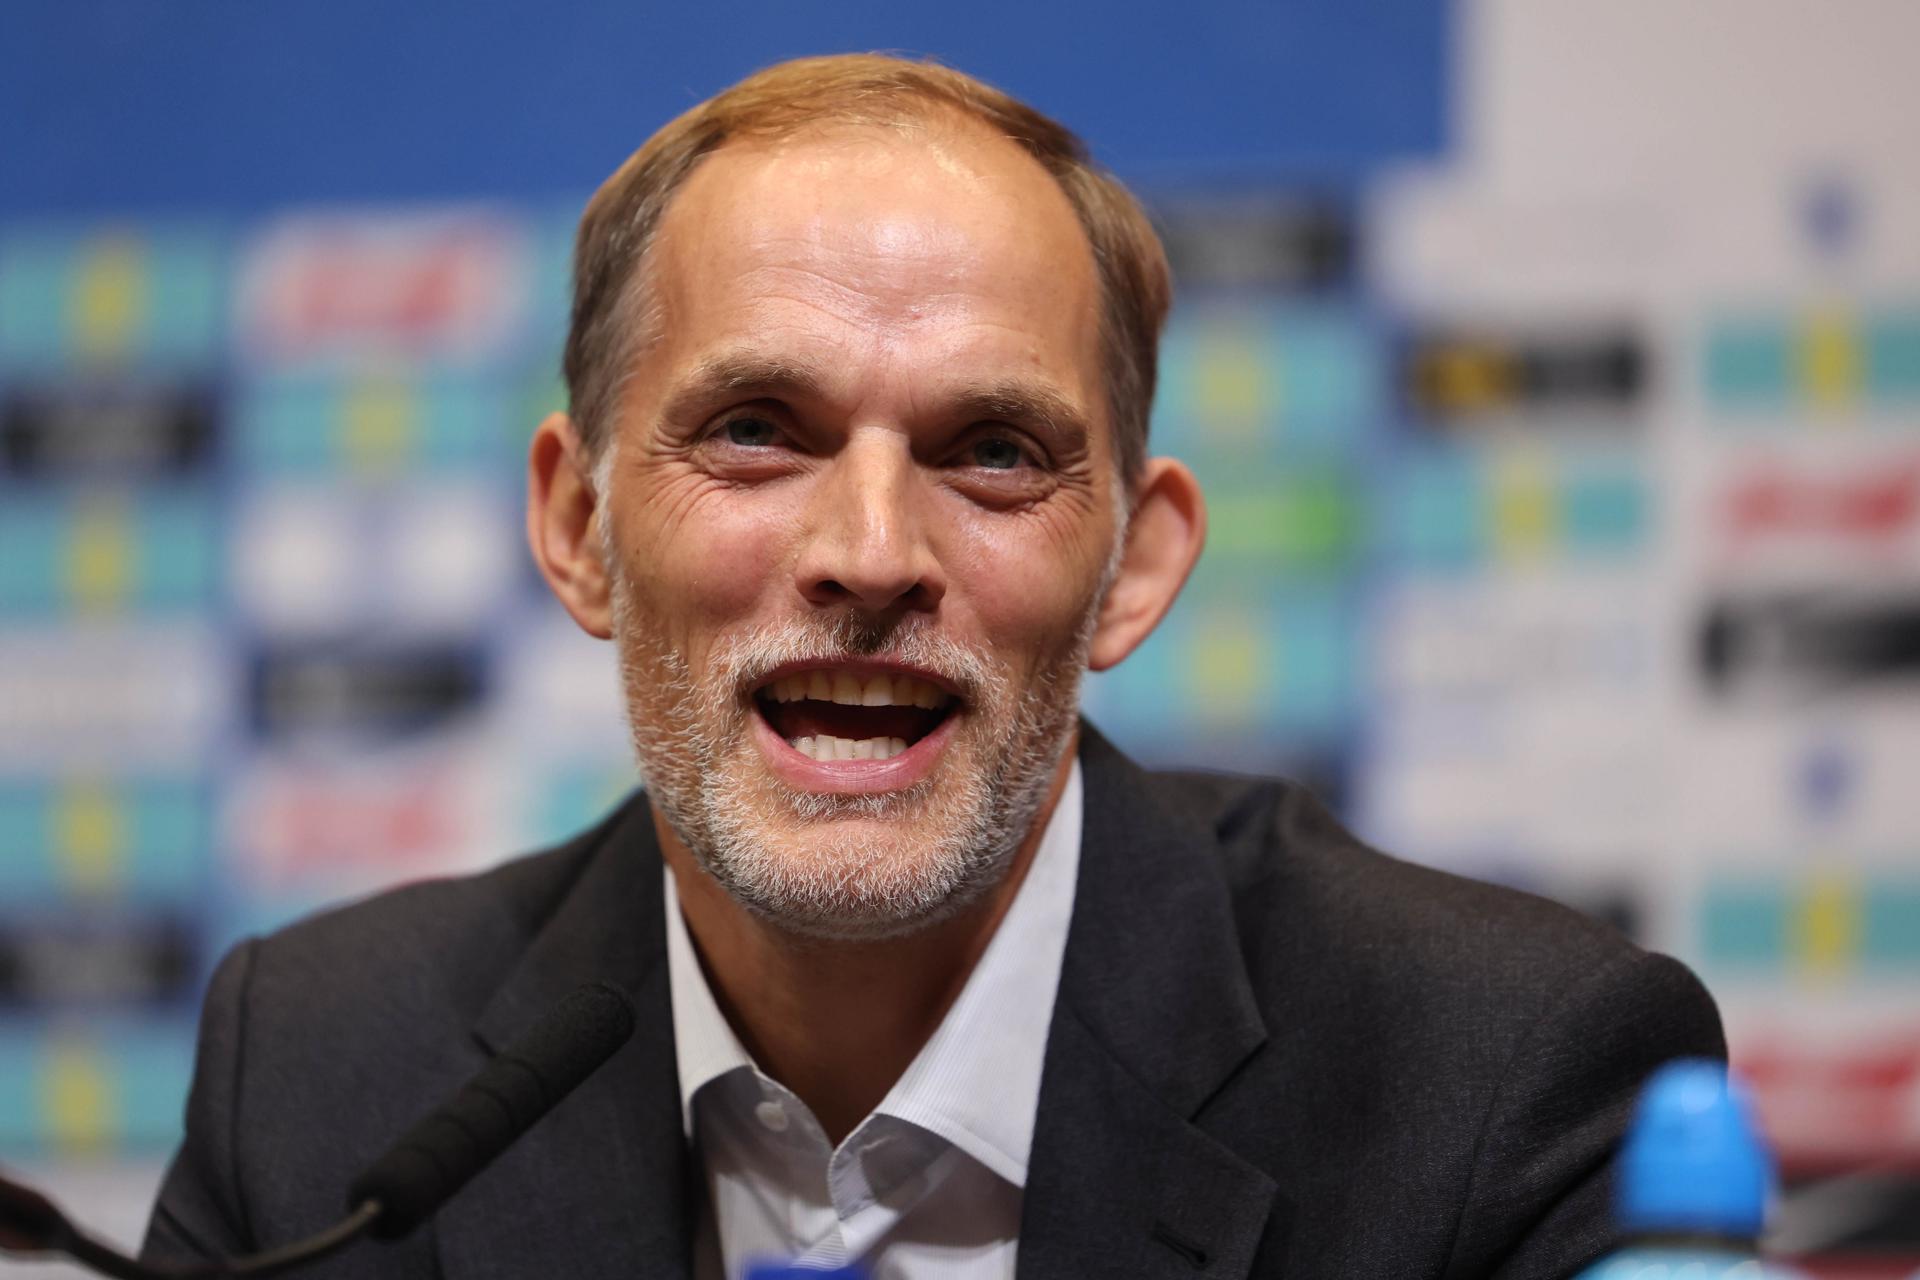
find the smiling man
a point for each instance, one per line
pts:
(929, 977)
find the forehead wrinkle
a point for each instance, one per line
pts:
(905, 253)
(854, 285)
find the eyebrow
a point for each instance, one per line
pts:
(742, 372)
(1024, 402)
(1028, 404)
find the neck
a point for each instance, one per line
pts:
(839, 1022)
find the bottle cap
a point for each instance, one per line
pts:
(783, 1271)
(1694, 1161)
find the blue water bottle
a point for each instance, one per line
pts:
(785, 1271)
(1694, 1178)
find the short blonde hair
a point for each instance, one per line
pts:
(859, 89)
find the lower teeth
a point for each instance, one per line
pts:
(828, 747)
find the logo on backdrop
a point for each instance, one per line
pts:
(346, 289)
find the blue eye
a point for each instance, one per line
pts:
(997, 454)
(752, 433)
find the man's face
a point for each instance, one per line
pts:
(859, 511)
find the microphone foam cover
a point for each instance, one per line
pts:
(443, 1152)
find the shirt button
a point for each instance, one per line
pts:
(772, 1115)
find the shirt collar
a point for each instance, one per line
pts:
(976, 1082)
(704, 1046)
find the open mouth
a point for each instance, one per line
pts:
(831, 713)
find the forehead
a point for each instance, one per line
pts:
(930, 242)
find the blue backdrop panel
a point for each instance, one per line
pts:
(230, 104)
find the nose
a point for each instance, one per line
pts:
(868, 545)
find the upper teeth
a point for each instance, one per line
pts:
(838, 686)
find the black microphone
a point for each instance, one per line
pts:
(403, 1188)
(28, 1220)
(443, 1152)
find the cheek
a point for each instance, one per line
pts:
(700, 552)
(1029, 578)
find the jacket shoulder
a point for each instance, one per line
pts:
(1291, 865)
(433, 948)
(1452, 1056)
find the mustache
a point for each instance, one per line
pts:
(746, 659)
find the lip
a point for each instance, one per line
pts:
(853, 777)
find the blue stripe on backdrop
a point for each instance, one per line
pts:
(110, 105)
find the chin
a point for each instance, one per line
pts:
(849, 868)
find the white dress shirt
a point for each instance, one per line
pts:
(929, 1184)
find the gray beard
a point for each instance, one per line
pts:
(953, 835)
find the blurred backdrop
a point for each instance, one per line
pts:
(1553, 370)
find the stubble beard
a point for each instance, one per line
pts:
(846, 867)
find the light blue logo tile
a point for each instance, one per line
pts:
(1437, 511)
(1603, 510)
(1893, 358)
(1750, 365)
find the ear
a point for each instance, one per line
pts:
(1164, 538)
(563, 524)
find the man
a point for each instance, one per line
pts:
(929, 977)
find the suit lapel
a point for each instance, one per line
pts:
(598, 1187)
(1154, 1014)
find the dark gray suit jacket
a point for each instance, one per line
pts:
(1275, 1052)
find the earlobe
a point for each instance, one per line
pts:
(563, 529)
(1164, 539)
